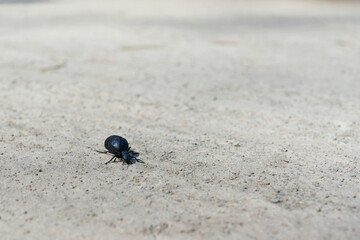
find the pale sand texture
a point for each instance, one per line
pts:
(246, 114)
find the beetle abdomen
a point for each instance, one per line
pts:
(116, 144)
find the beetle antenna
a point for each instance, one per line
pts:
(139, 160)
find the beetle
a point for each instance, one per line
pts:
(119, 147)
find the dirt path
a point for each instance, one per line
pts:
(247, 116)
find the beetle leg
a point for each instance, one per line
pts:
(105, 152)
(110, 160)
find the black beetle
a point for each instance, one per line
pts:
(119, 146)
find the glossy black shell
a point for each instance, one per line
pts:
(116, 144)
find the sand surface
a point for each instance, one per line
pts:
(247, 115)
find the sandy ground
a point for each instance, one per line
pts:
(246, 114)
